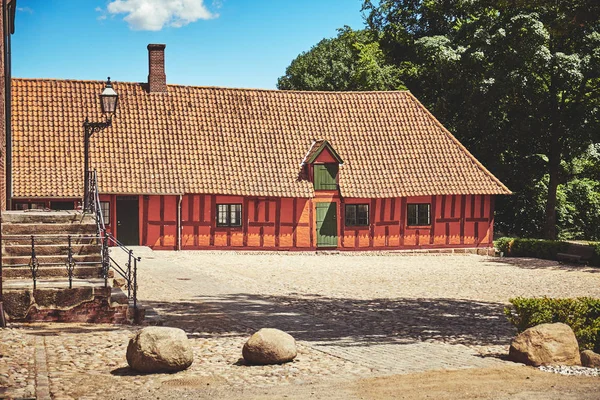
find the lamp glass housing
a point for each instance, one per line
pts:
(109, 99)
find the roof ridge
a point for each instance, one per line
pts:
(459, 144)
(216, 87)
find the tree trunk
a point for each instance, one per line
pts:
(554, 171)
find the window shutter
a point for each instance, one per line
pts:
(325, 176)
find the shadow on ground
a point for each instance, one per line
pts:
(54, 329)
(356, 322)
(537, 263)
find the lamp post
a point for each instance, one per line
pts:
(108, 102)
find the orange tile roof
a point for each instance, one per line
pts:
(233, 141)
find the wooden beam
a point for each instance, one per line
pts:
(402, 219)
(162, 218)
(245, 221)
(463, 209)
(372, 209)
(432, 221)
(443, 207)
(277, 220)
(213, 218)
(145, 205)
(294, 222)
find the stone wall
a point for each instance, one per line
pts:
(86, 304)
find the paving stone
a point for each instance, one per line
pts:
(353, 316)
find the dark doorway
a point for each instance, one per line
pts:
(128, 231)
(62, 205)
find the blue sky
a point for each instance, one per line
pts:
(231, 43)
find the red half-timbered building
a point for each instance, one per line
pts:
(187, 167)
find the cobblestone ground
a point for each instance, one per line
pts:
(353, 315)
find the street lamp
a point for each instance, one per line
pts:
(108, 102)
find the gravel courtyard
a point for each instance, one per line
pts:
(355, 316)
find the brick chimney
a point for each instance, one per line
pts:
(157, 80)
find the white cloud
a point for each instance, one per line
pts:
(153, 15)
(25, 9)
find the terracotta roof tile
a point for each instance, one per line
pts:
(233, 141)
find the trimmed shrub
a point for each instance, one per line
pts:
(581, 314)
(547, 249)
(503, 245)
(539, 248)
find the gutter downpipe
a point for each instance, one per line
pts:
(179, 222)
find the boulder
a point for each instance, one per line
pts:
(269, 346)
(159, 349)
(590, 359)
(546, 344)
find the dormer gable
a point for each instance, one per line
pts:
(321, 152)
(322, 163)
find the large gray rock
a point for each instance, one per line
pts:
(546, 344)
(269, 346)
(590, 359)
(159, 349)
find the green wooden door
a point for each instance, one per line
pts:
(326, 225)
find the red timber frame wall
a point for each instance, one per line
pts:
(289, 223)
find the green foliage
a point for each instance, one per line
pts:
(581, 314)
(537, 248)
(503, 244)
(546, 249)
(579, 209)
(351, 61)
(516, 81)
(596, 258)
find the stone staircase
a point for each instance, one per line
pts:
(87, 301)
(51, 244)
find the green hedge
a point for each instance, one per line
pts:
(581, 314)
(547, 249)
(538, 248)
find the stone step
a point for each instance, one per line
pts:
(47, 217)
(11, 240)
(48, 229)
(51, 259)
(53, 272)
(51, 249)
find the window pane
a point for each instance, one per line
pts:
(412, 214)
(105, 208)
(222, 214)
(350, 214)
(237, 210)
(423, 214)
(229, 215)
(363, 214)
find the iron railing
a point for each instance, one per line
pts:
(128, 271)
(34, 264)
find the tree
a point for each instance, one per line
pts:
(351, 61)
(516, 80)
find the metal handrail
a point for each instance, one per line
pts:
(129, 270)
